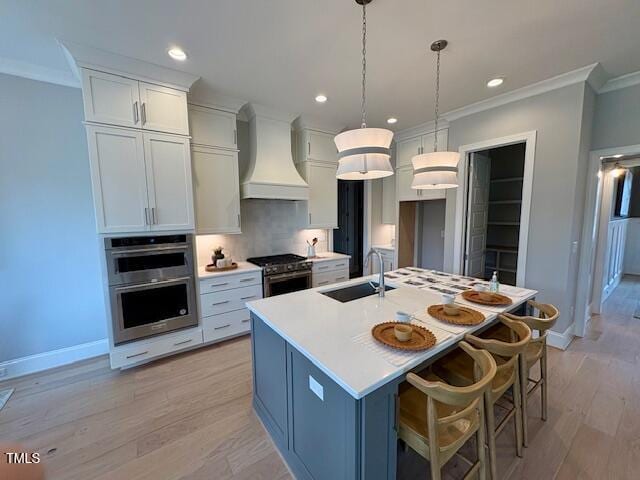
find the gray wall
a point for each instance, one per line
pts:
(617, 119)
(51, 293)
(431, 218)
(557, 117)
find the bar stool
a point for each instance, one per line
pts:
(457, 370)
(436, 419)
(535, 351)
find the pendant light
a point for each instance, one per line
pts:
(436, 170)
(364, 153)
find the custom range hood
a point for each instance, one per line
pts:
(271, 173)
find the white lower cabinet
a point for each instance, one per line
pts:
(328, 272)
(222, 304)
(387, 261)
(145, 350)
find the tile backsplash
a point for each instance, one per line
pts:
(269, 227)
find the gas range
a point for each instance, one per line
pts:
(284, 273)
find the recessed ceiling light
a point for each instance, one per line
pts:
(177, 54)
(495, 82)
(321, 98)
(392, 120)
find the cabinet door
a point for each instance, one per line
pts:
(389, 200)
(321, 147)
(217, 190)
(163, 109)
(118, 178)
(406, 150)
(110, 99)
(323, 196)
(404, 179)
(428, 139)
(213, 128)
(168, 169)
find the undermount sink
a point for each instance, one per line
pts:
(354, 292)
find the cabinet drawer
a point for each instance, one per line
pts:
(330, 266)
(228, 282)
(228, 300)
(327, 278)
(147, 350)
(226, 325)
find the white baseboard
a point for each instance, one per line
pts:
(560, 340)
(52, 359)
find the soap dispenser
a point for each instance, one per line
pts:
(494, 285)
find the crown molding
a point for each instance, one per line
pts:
(624, 81)
(307, 122)
(82, 56)
(32, 71)
(584, 74)
(218, 102)
(418, 130)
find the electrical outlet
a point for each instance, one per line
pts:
(3, 372)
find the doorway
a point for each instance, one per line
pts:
(492, 208)
(348, 238)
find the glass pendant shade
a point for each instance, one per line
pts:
(364, 154)
(435, 170)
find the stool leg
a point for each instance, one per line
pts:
(517, 418)
(434, 448)
(481, 439)
(524, 388)
(543, 378)
(491, 435)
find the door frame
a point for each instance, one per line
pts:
(591, 232)
(529, 139)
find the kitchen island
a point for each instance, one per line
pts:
(325, 390)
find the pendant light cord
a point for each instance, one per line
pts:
(435, 135)
(364, 64)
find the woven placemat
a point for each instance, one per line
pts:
(421, 338)
(495, 299)
(467, 316)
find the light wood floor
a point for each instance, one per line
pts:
(190, 416)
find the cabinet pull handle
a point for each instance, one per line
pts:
(219, 284)
(238, 220)
(223, 326)
(323, 283)
(154, 220)
(323, 268)
(235, 137)
(183, 342)
(309, 148)
(309, 218)
(135, 112)
(247, 280)
(146, 216)
(144, 113)
(219, 303)
(341, 278)
(245, 320)
(138, 354)
(247, 298)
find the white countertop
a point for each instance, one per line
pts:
(326, 256)
(324, 330)
(243, 267)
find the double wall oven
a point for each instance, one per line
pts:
(151, 285)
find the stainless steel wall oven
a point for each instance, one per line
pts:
(151, 285)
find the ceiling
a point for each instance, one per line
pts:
(283, 52)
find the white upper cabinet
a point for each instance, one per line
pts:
(406, 194)
(110, 99)
(211, 127)
(168, 166)
(118, 179)
(408, 149)
(217, 190)
(141, 181)
(116, 100)
(163, 109)
(323, 195)
(320, 146)
(389, 200)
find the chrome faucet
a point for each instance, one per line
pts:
(380, 288)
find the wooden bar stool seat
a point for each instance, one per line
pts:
(436, 419)
(456, 370)
(535, 352)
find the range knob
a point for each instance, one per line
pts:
(289, 267)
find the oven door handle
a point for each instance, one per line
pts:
(142, 286)
(288, 276)
(150, 251)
